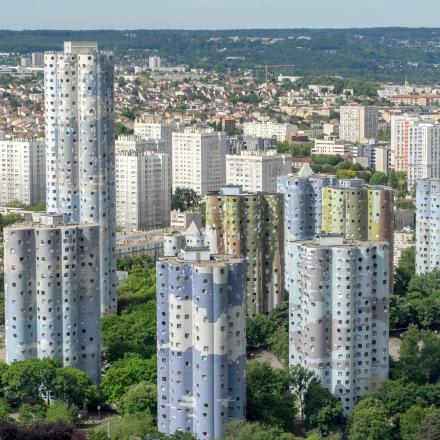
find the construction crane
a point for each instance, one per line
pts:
(266, 67)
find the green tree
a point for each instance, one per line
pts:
(268, 398)
(303, 149)
(122, 130)
(29, 379)
(346, 174)
(430, 426)
(129, 113)
(278, 343)
(406, 269)
(73, 386)
(130, 426)
(126, 372)
(402, 312)
(411, 422)
(258, 330)
(237, 430)
(323, 410)
(133, 331)
(419, 356)
(368, 420)
(378, 178)
(404, 204)
(300, 380)
(59, 411)
(5, 411)
(30, 414)
(184, 199)
(140, 398)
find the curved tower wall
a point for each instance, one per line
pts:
(338, 321)
(251, 226)
(80, 157)
(52, 295)
(427, 225)
(201, 344)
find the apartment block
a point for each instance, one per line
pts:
(358, 123)
(199, 159)
(282, 132)
(427, 225)
(424, 152)
(143, 190)
(338, 313)
(52, 293)
(363, 213)
(22, 171)
(251, 226)
(257, 170)
(400, 137)
(201, 337)
(331, 147)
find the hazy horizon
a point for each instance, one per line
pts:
(224, 15)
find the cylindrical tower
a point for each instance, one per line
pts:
(79, 110)
(201, 342)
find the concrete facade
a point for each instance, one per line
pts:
(427, 225)
(358, 123)
(201, 338)
(251, 226)
(282, 132)
(22, 171)
(257, 171)
(80, 156)
(143, 198)
(303, 204)
(199, 159)
(423, 152)
(52, 293)
(338, 313)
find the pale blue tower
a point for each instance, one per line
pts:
(201, 338)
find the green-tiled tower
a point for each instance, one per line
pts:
(250, 225)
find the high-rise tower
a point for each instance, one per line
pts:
(80, 158)
(251, 226)
(201, 339)
(338, 313)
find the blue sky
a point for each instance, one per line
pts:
(215, 14)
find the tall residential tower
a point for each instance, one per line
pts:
(338, 313)
(80, 160)
(201, 337)
(251, 226)
(52, 293)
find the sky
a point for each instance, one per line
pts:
(216, 14)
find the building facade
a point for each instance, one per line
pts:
(400, 130)
(257, 171)
(303, 203)
(364, 213)
(338, 313)
(282, 132)
(199, 159)
(80, 155)
(201, 338)
(143, 196)
(427, 225)
(22, 171)
(358, 123)
(331, 146)
(52, 293)
(423, 152)
(251, 226)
